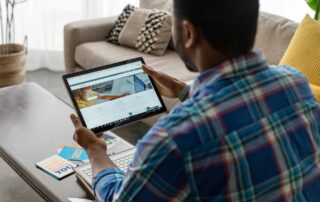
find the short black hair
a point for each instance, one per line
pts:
(229, 26)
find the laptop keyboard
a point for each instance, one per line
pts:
(88, 172)
(122, 163)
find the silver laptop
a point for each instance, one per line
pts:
(120, 152)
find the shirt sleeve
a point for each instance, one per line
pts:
(106, 183)
(157, 173)
(184, 94)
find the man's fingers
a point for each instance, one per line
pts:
(150, 71)
(99, 135)
(75, 137)
(76, 121)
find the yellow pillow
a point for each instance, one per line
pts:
(304, 51)
(316, 91)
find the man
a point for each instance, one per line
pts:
(246, 131)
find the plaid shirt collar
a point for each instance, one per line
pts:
(240, 66)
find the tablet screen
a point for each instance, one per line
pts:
(110, 96)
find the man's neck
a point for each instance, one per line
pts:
(208, 58)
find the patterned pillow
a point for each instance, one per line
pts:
(155, 35)
(113, 36)
(148, 31)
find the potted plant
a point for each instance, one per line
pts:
(12, 55)
(315, 5)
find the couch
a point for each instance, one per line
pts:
(85, 46)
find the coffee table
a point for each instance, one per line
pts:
(33, 124)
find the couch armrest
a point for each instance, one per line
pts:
(77, 33)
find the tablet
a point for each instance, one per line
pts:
(114, 95)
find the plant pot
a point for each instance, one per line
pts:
(12, 64)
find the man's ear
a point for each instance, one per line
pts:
(190, 34)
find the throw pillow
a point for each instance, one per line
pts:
(304, 50)
(166, 5)
(113, 36)
(316, 91)
(148, 31)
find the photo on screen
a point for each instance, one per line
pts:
(96, 94)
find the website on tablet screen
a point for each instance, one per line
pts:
(113, 95)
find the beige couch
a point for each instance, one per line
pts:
(85, 46)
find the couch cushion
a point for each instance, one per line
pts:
(96, 54)
(274, 35)
(158, 4)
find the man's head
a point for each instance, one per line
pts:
(213, 30)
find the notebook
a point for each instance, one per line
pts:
(56, 167)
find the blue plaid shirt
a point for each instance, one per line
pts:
(248, 132)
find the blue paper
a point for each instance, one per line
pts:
(73, 154)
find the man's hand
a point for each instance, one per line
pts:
(167, 85)
(85, 137)
(95, 147)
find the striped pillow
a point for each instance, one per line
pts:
(113, 36)
(148, 31)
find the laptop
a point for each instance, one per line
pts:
(120, 152)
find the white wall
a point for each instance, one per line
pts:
(43, 21)
(293, 9)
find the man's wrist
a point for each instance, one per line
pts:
(95, 148)
(98, 158)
